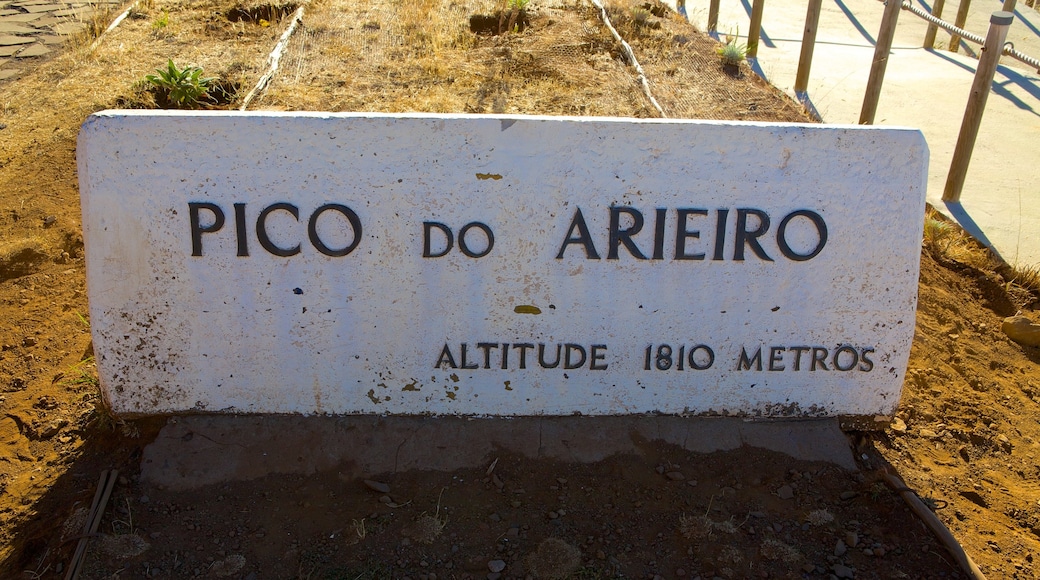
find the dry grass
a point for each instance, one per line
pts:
(701, 527)
(777, 551)
(948, 243)
(427, 528)
(553, 560)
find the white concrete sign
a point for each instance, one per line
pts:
(454, 264)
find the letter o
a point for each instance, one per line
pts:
(355, 225)
(781, 235)
(693, 362)
(465, 247)
(837, 354)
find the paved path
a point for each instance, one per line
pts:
(30, 29)
(926, 89)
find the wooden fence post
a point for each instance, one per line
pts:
(962, 17)
(812, 23)
(756, 28)
(929, 35)
(999, 23)
(713, 16)
(877, 68)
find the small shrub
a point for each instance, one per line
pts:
(819, 517)
(518, 5)
(553, 560)
(777, 551)
(641, 16)
(732, 53)
(162, 21)
(183, 88)
(428, 528)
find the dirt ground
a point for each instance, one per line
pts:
(966, 436)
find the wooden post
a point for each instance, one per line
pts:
(877, 68)
(713, 16)
(962, 17)
(999, 23)
(756, 28)
(929, 35)
(812, 23)
(1009, 6)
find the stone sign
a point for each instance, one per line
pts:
(499, 265)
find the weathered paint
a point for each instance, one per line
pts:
(311, 332)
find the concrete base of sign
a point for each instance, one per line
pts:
(195, 451)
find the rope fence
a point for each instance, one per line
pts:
(1008, 51)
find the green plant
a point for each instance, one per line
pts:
(732, 53)
(83, 373)
(162, 21)
(518, 5)
(185, 88)
(641, 16)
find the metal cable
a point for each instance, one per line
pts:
(1009, 51)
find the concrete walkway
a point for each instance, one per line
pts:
(30, 29)
(925, 89)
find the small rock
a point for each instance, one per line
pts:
(840, 548)
(385, 499)
(495, 517)
(377, 486)
(46, 403)
(847, 495)
(785, 492)
(496, 566)
(553, 515)
(852, 539)
(1004, 441)
(898, 425)
(29, 341)
(1022, 330)
(601, 555)
(808, 568)
(929, 434)
(842, 571)
(963, 452)
(675, 476)
(49, 220)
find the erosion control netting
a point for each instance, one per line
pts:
(685, 72)
(555, 58)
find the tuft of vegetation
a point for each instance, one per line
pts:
(162, 21)
(554, 559)
(732, 53)
(518, 5)
(777, 551)
(183, 88)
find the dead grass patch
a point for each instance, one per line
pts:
(553, 559)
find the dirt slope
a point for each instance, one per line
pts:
(967, 433)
